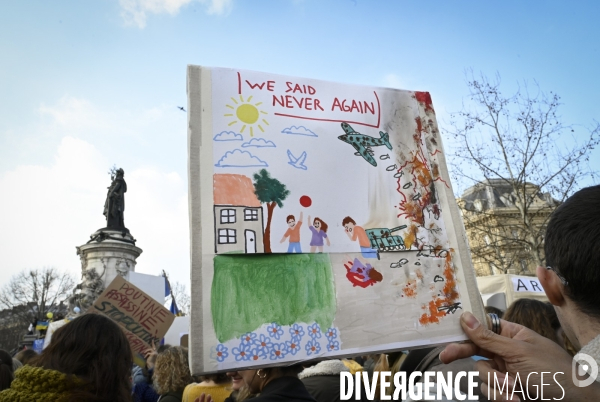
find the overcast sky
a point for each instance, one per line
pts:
(88, 84)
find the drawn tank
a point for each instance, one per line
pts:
(382, 239)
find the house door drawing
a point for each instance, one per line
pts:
(250, 236)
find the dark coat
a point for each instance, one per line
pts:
(171, 397)
(284, 389)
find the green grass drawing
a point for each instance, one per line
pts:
(249, 291)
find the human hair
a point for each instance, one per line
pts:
(494, 310)
(216, 378)
(347, 220)
(6, 370)
(172, 370)
(94, 350)
(535, 315)
(292, 217)
(571, 248)
(26, 356)
(323, 224)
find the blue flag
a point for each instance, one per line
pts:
(174, 308)
(167, 288)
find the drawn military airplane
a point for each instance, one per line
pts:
(298, 162)
(363, 143)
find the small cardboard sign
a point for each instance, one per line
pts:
(144, 319)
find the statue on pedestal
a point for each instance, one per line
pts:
(114, 206)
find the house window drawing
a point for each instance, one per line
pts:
(226, 236)
(250, 214)
(228, 216)
(234, 196)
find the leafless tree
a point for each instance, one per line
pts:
(42, 290)
(182, 298)
(518, 144)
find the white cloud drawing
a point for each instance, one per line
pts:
(258, 143)
(299, 130)
(239, 158)
(228, 136)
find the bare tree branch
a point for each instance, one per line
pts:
(514, 147)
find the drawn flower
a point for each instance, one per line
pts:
(314, 331)
(222, 352)
(278, 352)
(241, 353)
(263, 342)
(293, 346)
(333, 345)
(248, 338)
(275, 330)
(297, 332)
(331, 333)
(312, 347)
(257, 353)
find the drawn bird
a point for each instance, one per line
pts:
(181, 108)
(298, 163)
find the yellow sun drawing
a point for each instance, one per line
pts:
(246, 113)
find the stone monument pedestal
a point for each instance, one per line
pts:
(108, 253)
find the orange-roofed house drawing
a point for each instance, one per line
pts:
(238, 215)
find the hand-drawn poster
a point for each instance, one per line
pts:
(323, 222)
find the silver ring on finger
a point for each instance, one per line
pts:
(495, 322)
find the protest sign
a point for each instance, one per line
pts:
(323, 222)
(144, 320)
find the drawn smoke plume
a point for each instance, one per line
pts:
(382, 199)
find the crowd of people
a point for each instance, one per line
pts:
(90, 358)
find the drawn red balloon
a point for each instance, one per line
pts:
(305, 201)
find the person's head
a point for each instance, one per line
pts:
(573, 278)
(348, 224)
(26, 356)
(93, 349)
(236, 380)
(172, 370)
(319, 224)
(494, 310)
(6, 370)
(535, 315)
(257, 379)
(291, 221)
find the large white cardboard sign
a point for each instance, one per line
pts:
(323, 222)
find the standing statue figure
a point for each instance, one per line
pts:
(115, 202)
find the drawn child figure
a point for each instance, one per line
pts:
(293, 233)
(319, 235)
(355, 233)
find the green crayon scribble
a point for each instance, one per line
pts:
(249, 291)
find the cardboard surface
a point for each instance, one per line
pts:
(144, 319)
(271, 283)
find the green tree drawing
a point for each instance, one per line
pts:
(272, 192)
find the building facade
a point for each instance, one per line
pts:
(505, 226)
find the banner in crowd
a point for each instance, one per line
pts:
(144, 320)
(323, 222)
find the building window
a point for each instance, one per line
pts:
(250, 214)
(227, 236)
(228, 216)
